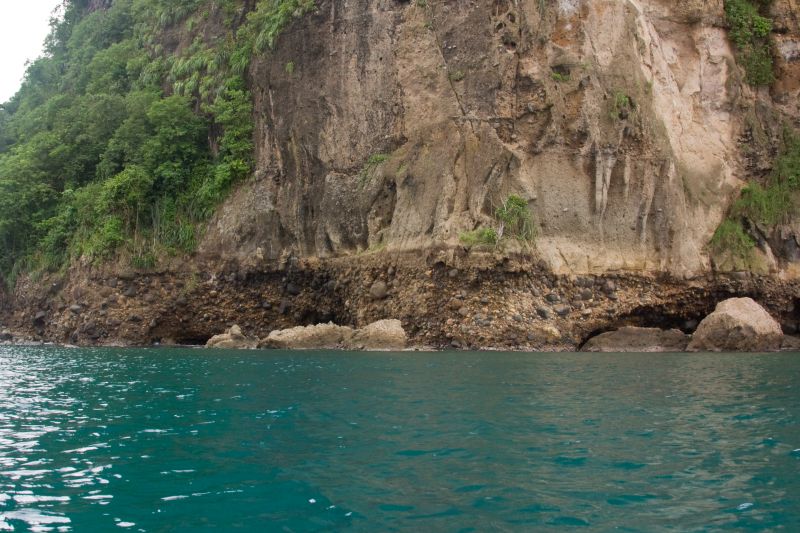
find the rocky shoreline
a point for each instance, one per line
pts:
(443, 300)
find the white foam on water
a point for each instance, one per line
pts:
(173, 498)
(29, 498)
(33, 517)
(16, 474)
(82, 450)
(125, 524)
(744, 506)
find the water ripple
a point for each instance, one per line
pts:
(92, 440)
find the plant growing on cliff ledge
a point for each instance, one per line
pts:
(764, 206)
(749, 32)
(513, 220)
(731, 237)
(772, 204)
(514, 217)
(479, 237)
(621, 105)
(374, 161)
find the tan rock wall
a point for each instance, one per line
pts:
(403, 126)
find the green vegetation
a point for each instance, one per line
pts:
(731, 237)
(457, 75)
(559, 77)
(513, 219)
(372, 163)
(479, 237)
(766, 206)
(772, 204)
(749, 32)
(115, 146)
(621, 105)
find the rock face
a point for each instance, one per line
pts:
(319, 336)
(619, 122)
(381, 335)
(233, 339)
(737, 325)
(632, 339)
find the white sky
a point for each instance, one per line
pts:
(24, 24)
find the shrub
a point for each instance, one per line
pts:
(749, 32)
(515, 219)
(731, 237)
(767, 206)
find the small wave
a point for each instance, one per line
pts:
(31, 498)
(34, 517)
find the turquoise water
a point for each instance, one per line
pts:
(191, 440)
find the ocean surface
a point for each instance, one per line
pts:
(195, 440)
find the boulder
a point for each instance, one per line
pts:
(233, 339)
(632, 339)
(320, 336)
(379, 290)
(5, 335)
(381, 335)
(737, 325)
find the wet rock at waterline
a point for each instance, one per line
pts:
(737, 325)
(633, 339)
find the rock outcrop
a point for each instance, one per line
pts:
(633, 339)
(316, 337)
(233, 339)
(737, 325)
(378, 336)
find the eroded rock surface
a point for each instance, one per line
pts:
(737, 325)
(319, 336)
(633, 339)
(380, 335)
(233, 339)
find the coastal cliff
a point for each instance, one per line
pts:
(643, 135)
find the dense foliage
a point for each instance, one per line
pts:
(116, 146)
(749, 31)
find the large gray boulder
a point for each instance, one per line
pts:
(319, 336)
(380, 335)
(632, 339)
(233, 339)
(737, 325)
